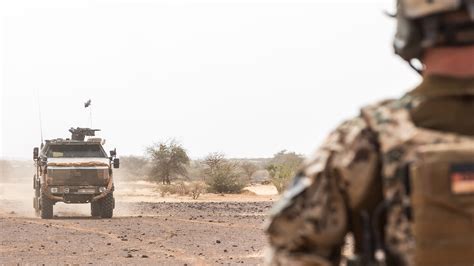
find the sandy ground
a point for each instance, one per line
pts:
(147, 229)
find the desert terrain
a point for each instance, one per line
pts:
(147, 229)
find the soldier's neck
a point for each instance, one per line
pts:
(457, 62)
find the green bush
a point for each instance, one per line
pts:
(282, 169)
(221, 175)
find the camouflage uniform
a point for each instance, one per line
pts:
(397, 172)
(344, 186)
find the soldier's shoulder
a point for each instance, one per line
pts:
(352, 151)
(384, 111)
(349, 129)
(346, 139)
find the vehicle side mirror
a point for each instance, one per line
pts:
(116, 163)
(113, 153)
(35, 153)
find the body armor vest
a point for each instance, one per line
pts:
(428, 187)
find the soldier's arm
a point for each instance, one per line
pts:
(308, 225)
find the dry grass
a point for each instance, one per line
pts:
(181, 188)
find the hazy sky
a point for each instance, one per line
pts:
(247, 78)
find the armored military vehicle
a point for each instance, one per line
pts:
(75, 170)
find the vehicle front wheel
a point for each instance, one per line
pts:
(46, 207)
(107, 205)
(95, 209)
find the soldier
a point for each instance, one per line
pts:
(400, 176)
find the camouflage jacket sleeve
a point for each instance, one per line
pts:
(308, 225)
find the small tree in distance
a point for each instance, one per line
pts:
(168, 160)
(222, 175)
(282, 168)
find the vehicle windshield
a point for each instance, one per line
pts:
(74, 151)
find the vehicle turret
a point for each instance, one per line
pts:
(80, 133)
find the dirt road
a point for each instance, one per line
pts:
(208, 232)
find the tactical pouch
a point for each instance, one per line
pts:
(442, 183)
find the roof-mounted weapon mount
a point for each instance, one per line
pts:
(80, 133)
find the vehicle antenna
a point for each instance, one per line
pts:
(39, 116)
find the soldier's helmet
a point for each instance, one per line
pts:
(422, 24)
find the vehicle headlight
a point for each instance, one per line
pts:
(54, 190)
(102, 189)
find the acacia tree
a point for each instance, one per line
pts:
(168, 160)
(282, 168)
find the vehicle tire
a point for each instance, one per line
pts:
(36, 207)
(37, 192)
(95, 209)
(46, 207)
(107, 205)
(36, 203)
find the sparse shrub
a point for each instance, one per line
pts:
(280, 176)
(282, 168)
(181, 188)
(221, 175)
(197, 188)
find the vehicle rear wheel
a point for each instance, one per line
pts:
(36, 202)
(36, 207)
(95, 209)
(107, 205)
(46, 207)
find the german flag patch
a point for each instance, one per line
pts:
(462, 178)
